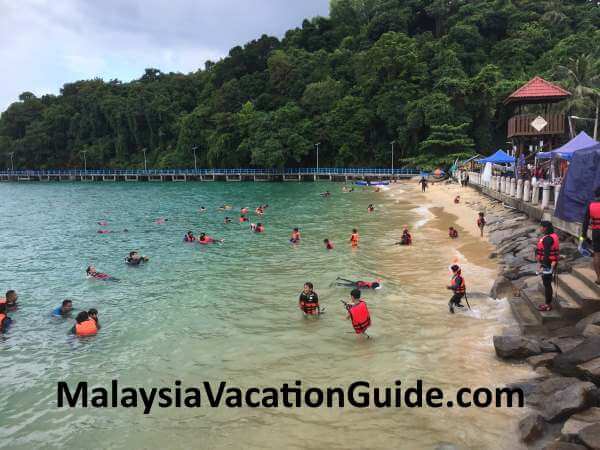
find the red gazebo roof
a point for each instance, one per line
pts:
(538, 90)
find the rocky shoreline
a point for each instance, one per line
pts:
(563, 346)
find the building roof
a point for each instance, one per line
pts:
(537, 90)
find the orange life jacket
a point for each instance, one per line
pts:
(309, 307)
(86, 328)
(359, 314)
(295, 236)
(554, 250)
(2, 317)
(456, 287)
(354, 239)
(595, 215)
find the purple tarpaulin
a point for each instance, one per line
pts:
(579, 142)
(582, 179)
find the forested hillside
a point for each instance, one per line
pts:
(428, 74)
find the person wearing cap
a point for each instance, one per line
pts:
(458, 287)
(592, 221)
(547, 255)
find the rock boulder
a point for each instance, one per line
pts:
(579, 421)
(590, 436)
(531, 427)
(509, 347)
(567, 362)
(558, 398)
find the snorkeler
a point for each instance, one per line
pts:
(309, 300)
(64, 310)
(204, 239)
(295, 239)
(135, 259)
(359, 284)
(93, 273)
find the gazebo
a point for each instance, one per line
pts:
(534, 123)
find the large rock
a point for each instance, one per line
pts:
(502, 288)
(516, 346)
(566, 343)
(525, 270)
(590, 436)
(566, 363)
(591, 330)
(579, 421)
(593, 319)
(564, 446)
(559, 397)
(590, 370)
(531, 427)
(543, 360)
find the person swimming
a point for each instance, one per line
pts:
(205, 239)
(260, 210)
(244, 219)
(295, 239)
(325, 194)
(64, 310)
(10, 299)
(93, 273)
(5, 321)
(160, 221)
(453, 233)
(244, 211)
(134, 259)
(202, 209)
(370, 208)
(189, 237)
(354, 238)
(85, 325)
(359, 284)
(227, 220)
(309, 301)
(406, 238)
(257, 228)
(328, 244)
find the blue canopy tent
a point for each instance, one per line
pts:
(500, 157)
(582, 179)
(579, 142)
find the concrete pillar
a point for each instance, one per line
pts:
(501, 185)
(519, 189)
(513, 187)
(556, 194)
(545, 195)
(535, 194)
(527, 191)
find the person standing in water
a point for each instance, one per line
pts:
(354, 238)
(423, 183)
(458, 287)
(481, 223)
(406, 238)
(10, 299)
(358, 313)
(64, 310)
(309, 300)
(547, 255)
(328, 244)
(370, 208)
(295, 239)
(453, 233)
(592, 220)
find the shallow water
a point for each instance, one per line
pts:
(229, 312)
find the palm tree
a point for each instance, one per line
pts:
(582, 77)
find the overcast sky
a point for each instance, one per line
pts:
(46, 43)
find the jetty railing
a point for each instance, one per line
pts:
(538, 199)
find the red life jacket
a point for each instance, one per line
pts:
(354, 239)
(86, 328)
(480, 222)
(329, 246)
(243, 219)
(453, 233)
(456, 287)
(260, 229)
(364, 284)
(595, 215)
(554, 250)
(406, 238)
(359, 314)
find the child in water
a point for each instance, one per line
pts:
(93, 273)
(370, 208)
(309, 300)
(453, 233)
(481, 222)
(328, 244)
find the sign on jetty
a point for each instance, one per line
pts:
(161, 175)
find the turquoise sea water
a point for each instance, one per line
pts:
(229, 313)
